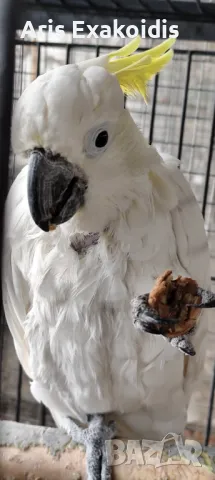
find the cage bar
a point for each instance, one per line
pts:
(183, 116)
(7, 48)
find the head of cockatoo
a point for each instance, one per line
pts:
(79, 139)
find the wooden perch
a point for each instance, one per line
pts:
(37, 453)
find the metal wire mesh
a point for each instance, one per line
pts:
(199, 8)
(179, 119)
(194, 17)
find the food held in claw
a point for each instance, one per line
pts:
(170, 299)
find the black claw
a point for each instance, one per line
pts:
(154, 325)
(155, 318)
(150, 326)
(188, 351)
(184, 345)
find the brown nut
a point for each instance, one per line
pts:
(169, 298)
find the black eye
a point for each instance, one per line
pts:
(101, 139)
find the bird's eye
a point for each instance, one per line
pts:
(101, 139)
(97, 139)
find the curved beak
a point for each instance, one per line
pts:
(56, 188)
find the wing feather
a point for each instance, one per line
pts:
(193, 253)
(188, 225)
(16, 299)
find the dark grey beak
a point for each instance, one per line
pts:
(56, 188)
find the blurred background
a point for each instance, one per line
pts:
(179, 119)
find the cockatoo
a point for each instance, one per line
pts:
(92, 219)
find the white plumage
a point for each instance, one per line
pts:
(69, 313)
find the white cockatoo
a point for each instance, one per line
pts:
(91, 221)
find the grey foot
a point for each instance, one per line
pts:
(93, 438)
(146, 319)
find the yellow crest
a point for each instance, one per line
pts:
(134, 71)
